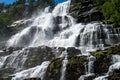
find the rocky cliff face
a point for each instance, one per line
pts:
(59, 63)
(76, 66)
(85, 11)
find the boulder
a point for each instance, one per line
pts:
(72, 51)
(85, 11)
(32, 79)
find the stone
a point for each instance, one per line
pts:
(72, 51)
(6, 72)
(85, 11)
(32, 79)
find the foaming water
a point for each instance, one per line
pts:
(59, 29)
(38, 71)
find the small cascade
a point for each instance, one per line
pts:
(2, 60)
(64, 66)
(15, 60)
(115, 58)
(115, 66)
(89, 68)
(91, 64)
(38, 71)
(101, 78)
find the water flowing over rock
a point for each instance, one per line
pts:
(56, 47)
(59, 29)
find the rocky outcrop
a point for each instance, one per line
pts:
(33, 79)
(5, 73)
(75, 68)
(53, 71)
(85, 11)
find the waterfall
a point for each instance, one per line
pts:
(64, 66)
(2, 60)
(115, 66)
(59, 29)
(90, 69)
(16, 59)
(38, 71)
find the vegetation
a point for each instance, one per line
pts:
(110, 10)
(18, 10)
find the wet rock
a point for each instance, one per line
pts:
(32, 79)
(5, 78)
(87, 77)
(85, 11)
(75, 67)
(72, 51)
(6, 72)
(115, 75)
(37, 55)
(102, 63)
(54, 70)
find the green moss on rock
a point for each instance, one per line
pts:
(53, 71)
(103, 61)
(75, 67)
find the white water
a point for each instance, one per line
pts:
(2, 60)
(59, 29)
(15, 60)
(90, 69)
(115, 66)
(64, 66)
(91, 65)
(38, 71)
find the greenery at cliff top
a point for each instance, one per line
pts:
(110, 10)
(18, 10)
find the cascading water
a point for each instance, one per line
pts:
(115, 66)
(64, 64)
(59, 29)
(2, 61)
(89, 69)
(38, 71)
(16, 59)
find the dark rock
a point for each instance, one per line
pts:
(115, 75)
(6, 72)
(75, 67)
(102, 63)
(85, 11)
(5, 78)
(32, 79)
(54, 70)
(90, 77)
(37, 55)
(72, 51)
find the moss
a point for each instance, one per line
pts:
(75, 67)
(98, 55)
(53, 71)
(103, 61)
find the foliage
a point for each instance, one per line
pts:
(18, 10)
(110, 10)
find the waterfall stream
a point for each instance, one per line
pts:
(59, 29)
(38, 71)
(64, 66)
